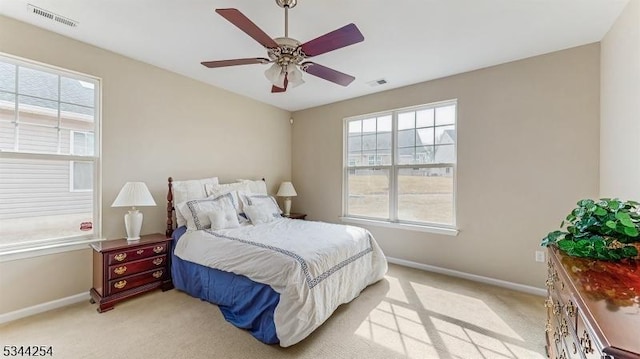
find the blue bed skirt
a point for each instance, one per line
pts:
(243, 302)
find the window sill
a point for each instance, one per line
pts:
(404, 226)
(9, 254)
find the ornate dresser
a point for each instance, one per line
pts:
(593, 308)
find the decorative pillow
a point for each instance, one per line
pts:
(259, 186)
(184, 191)
(260, 213)
(223, 219)
(196, 211)
(249, 199)
(215, 190)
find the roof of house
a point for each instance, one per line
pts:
(38, 88)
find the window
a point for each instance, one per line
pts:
(49, 154)
(400, 165)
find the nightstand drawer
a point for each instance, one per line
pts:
(129, 268)
(130, 282)
(138, 253)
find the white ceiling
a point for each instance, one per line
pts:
(406, 41)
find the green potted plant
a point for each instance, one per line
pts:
(607, 229)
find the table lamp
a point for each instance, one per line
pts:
(286, 190)
(133, 194)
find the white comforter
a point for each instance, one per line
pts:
(314, 266)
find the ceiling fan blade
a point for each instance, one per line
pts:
(276, 89)
(235, 17)
(234, 62)
(326, 73)
(344, 36)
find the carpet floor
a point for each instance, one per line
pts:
(408, 314)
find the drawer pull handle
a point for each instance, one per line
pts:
(120, 270)
(585, 341)
(575, 348)
(564, 328)
(570, 309)
(557, 308)
(549, 283)
(157, 274)
(157, 261)
(120, 257)
(158, 249)
(120, 284)
(140, 251)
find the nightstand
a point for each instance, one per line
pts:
(296, 216)
(122, 269)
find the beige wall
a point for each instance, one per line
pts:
(528, 150)
(155, 124)
(620, 107)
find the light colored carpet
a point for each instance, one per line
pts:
(409, 314)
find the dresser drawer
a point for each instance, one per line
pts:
(137, 253)
(137, 280)
(129, 268)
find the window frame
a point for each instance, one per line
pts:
(394, 168)
(96, 158)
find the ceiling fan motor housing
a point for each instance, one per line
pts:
(288, 52)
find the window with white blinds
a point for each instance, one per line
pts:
(49, 154)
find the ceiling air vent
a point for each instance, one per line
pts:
(377, 82)
(51, 16)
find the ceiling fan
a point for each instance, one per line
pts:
(288, 55)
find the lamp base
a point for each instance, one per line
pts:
(287, 206)
(133, 224)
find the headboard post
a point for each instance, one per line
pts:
(169, 231)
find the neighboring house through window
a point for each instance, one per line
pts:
(49, 154)
(400, 165)
(81, 173)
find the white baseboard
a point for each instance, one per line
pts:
(39, 308)
(476, 278)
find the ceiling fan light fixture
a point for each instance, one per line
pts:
(273, 73)
(294, 75)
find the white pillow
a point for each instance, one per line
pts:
(184, 191)
(249, 199)
(260, 213)
(215, 190)
(259, 186)
(196, 211)
(223, 219)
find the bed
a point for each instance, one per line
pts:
(280, 278)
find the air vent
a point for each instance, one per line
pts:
(377, 82)
(51, 16)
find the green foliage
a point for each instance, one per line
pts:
(603, 229)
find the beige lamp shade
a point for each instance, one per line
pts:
(286, 190)
(134, 194)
